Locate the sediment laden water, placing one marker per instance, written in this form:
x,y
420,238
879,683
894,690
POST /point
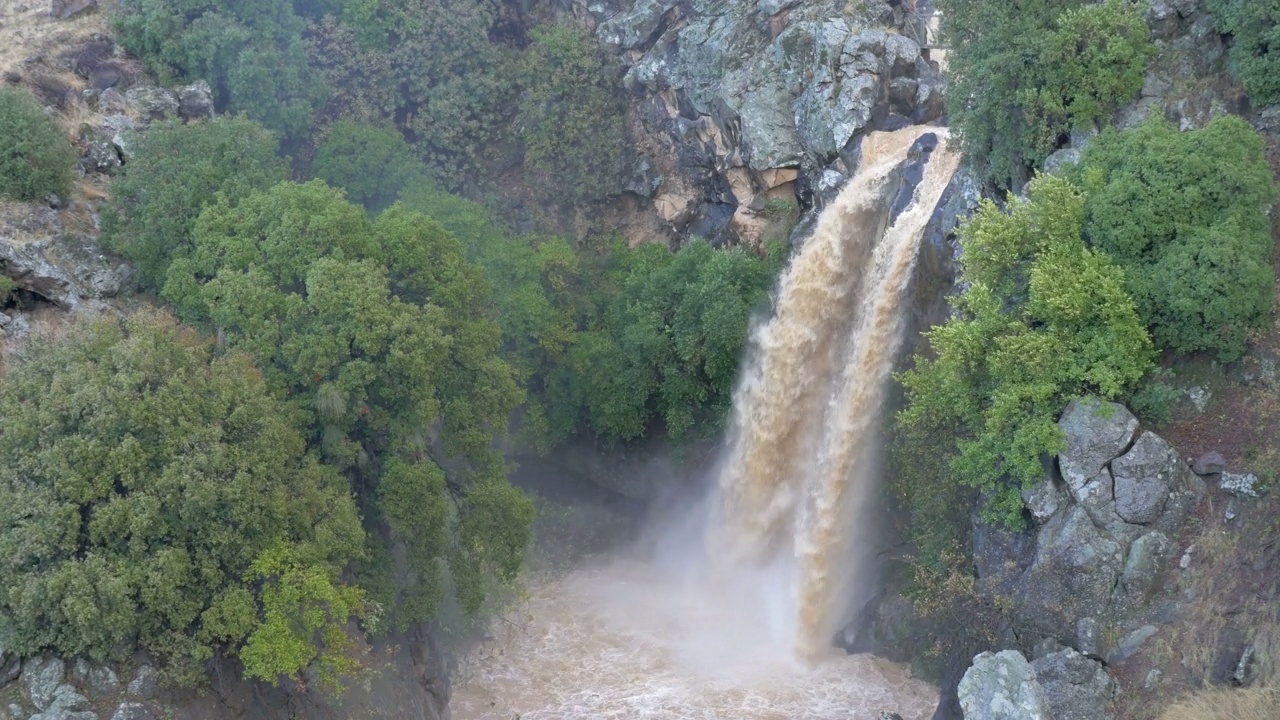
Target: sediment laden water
x,y
729,613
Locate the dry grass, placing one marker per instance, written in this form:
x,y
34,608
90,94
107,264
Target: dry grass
x,y
1227,704
33,32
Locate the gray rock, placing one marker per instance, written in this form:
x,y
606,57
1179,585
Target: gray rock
x,y
1075,687
1144,569
1142,479
1088,638
65,714
1043,500
1199,397
72,272
103,156
1002,686
1130,644
98,680
153,103
196,101
123,130
1096,433
111,102
1244,673
1153,679
1185,561
1072,576
1061,159
1240,485
1232,511
886,715
66,697
42,676
65,9
16,710
633,28
132,711
144,683
1209,463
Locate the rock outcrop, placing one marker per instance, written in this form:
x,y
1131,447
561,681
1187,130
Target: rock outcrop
x,y
1002,686
66,269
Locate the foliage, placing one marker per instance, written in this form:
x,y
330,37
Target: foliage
x,y
571,115
176,170
1185,214
384,331
1154,399
37,158
143,480
1042,319
7,286
1255,48
1024,75
430,65
373,164
251,52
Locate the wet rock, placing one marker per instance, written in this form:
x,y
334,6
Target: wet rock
x,y
1096,433
144,683
42,676
65,9
1245,486
1209,463
1075,687
1130,644
132,711
196,101
1142,479
153,103
1002,686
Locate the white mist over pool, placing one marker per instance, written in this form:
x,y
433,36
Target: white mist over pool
x,y
728,611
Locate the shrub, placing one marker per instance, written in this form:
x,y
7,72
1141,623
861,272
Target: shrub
x,y
144,482
37,158
1185,214
1042,319
373,164
571,116
1025,76
1154,400
177,169
384,333
1255,47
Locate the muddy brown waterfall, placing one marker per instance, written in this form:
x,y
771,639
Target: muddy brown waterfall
x,y
802,450
729,612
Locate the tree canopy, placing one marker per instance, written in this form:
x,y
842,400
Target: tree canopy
x,y
37,158
146,486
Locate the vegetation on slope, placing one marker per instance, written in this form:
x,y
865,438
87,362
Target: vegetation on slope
x,y
37,159
1254,26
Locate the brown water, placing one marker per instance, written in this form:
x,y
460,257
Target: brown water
x,y
729,613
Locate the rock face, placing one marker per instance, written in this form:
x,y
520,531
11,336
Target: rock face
x,y
69,271
1096,433
1002,686
1075,687
744,102
1142,479
1075,569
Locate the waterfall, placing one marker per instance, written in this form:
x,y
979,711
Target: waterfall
x,y
730,610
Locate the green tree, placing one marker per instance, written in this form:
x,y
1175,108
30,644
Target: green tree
x,y
1254,26
373,164
37,158
1186,216
1024,75
251,52
571,116
1042,319
384,331
144,481
176,170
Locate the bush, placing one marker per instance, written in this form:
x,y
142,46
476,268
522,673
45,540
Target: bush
x,y
177,169
373,164
1255,47
1042,319
37,158
1023,77
1154,400
144,483
384,333
571,116
1185,214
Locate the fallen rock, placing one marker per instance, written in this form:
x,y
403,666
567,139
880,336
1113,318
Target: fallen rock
x,y
153,103
66,697
195,101
1199,397
144,683
1240,485
1002,686
1075,687
1043,500
1209,463
1130,644
1096,433
42,676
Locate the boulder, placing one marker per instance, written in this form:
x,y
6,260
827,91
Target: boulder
x,y
1240,485
1043,500
1002,686
196,101
1075,568
43,675
98,680
1096,433
1130,644
65,714
144,684
66,697
1075,687
132,711
1209,463
1142,479
111,102
153,103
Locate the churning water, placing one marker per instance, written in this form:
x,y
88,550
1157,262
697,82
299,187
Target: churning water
x,y
729,611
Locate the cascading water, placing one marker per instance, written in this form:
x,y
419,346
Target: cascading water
x,y
731,613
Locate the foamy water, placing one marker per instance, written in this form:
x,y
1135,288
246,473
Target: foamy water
x,y
730,613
